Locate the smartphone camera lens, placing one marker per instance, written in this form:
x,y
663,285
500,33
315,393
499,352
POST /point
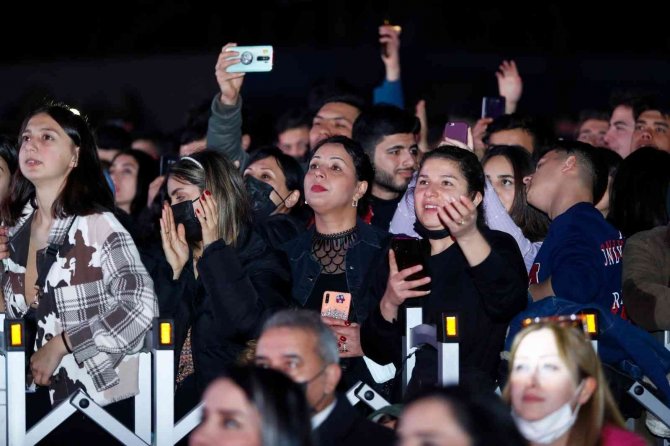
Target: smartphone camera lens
x,y
327,297
246,58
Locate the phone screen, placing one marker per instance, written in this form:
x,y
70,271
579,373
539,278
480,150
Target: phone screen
x,y
166,162
456,130
410,252
493,106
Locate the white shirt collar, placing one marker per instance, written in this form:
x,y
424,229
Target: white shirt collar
x,y
320,417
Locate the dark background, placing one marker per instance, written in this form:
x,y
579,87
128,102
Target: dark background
x,y
152,61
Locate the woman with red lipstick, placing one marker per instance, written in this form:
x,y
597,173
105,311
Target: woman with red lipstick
x,y
340,251
558,392
472,270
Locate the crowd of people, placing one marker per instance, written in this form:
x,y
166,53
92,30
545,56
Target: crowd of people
x,y
245,247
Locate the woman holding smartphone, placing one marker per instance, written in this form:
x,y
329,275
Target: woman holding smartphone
x,y
340,250
472,270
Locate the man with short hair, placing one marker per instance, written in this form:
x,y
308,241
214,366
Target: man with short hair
x,y
389,135
581,257
297,343
652,128
619,136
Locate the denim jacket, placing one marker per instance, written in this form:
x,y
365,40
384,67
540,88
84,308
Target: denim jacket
x,y
362,257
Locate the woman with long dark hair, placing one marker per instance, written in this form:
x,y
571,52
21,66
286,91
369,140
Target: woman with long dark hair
x,y
472,270
88,298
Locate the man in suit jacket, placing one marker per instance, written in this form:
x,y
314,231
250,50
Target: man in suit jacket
x,y
299,344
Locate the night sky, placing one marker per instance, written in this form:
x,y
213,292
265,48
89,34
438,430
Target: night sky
x,y
121,28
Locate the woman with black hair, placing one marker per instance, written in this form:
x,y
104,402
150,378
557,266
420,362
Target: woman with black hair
x,y
638,196
8,164
274,182
253,406
505,202
132,171
472,270
88,297
457,416
340,251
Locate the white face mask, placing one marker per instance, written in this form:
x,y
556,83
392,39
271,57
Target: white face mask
x,y
553,426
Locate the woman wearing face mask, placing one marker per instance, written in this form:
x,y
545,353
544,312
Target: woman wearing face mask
x,y
219,280
472,270
340,251
274,182
558,393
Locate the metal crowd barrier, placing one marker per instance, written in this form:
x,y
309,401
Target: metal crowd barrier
x,y
154,424
443,337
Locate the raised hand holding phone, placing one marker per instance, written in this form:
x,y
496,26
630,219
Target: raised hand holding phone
x,y
256,58
458,134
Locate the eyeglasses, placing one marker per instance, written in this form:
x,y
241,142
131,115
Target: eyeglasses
x,y
587,322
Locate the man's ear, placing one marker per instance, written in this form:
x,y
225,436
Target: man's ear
x,y
292,199
569,164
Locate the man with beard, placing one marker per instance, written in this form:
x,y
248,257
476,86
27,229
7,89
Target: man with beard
x,y
389,136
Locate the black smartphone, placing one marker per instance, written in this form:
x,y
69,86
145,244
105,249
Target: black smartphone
x,y
166,162
493,106
457,130
409,252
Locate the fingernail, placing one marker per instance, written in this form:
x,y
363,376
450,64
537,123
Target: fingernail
x,y
207,192
343,339
347,323
197,210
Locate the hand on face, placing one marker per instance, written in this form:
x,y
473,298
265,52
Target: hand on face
x,y
208,216
459,215
173,240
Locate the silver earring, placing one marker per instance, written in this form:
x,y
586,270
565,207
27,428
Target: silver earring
x,y
354,203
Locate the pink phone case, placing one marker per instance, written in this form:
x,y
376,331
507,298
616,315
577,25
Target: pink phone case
x,y
336,304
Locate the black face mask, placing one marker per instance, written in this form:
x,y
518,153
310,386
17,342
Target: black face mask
x,y
430,234
183,213
259,194
304,384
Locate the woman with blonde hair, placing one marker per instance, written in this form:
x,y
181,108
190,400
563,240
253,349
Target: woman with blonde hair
x,y
219,280
557,389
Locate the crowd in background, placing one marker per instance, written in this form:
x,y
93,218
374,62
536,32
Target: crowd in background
x,y
243,246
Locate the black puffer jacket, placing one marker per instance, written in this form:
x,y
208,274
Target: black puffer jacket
x,y
237,289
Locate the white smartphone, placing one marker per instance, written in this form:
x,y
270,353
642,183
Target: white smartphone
x,y
257,58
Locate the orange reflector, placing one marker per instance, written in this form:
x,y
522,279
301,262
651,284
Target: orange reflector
x,y
15,338
166,333
591,324
451,327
